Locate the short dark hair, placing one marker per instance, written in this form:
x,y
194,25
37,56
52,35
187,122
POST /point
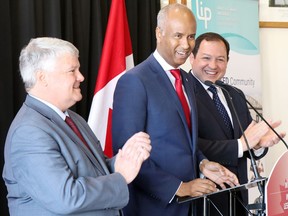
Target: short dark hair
x,y
210,36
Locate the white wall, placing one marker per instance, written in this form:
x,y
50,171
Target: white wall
x,y
274,63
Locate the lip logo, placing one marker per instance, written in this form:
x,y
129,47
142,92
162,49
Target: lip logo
x,y
203,13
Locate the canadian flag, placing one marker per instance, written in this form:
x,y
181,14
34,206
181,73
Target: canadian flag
x,y
116,59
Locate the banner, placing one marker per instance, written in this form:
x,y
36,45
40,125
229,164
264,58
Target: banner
x,y
276,195
237,21
116,58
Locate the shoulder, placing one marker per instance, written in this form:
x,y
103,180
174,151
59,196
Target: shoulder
x,y
143,72
147,65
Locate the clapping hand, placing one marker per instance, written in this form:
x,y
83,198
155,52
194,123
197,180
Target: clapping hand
x,y
130,158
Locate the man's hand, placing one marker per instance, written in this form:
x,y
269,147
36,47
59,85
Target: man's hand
x,y
130,158
254,133
196,187
218,174
260,135
270,138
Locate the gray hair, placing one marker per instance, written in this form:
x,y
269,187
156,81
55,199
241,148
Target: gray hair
x,y
39,55
163,13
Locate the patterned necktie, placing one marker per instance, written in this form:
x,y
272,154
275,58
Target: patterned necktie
x,y
180,93
221,109
73,126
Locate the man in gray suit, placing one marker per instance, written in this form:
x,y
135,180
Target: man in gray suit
x,y
49,168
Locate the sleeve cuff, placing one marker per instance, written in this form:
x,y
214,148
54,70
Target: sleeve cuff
x,y
240,149
258,152
175,192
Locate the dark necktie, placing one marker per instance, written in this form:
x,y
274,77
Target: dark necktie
x,y
221,109
73,126
180,93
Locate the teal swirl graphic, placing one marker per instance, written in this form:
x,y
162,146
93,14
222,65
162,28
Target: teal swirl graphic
x,y
241,44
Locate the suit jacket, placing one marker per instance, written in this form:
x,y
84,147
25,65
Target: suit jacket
x,y
145,100
214,141
49,171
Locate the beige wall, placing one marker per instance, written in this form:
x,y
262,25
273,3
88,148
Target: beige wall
x,y
274,63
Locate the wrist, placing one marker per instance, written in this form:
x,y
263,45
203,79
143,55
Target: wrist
x,y
202,164
182,190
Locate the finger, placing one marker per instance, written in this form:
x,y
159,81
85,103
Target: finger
x,y
145,145
138,137
232,178
208,187
228,178
203,189
133,147
139,161
276,124
142,142
222,185
142,135
230,182
282,134
204,183
276,139
144,153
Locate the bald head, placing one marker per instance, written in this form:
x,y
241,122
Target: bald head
x,y
174,9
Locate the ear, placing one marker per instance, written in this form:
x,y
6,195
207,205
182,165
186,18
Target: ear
x,y
158,33
42,78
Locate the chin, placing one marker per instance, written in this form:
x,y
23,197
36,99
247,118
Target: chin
x,y
212,79
78,98
181,61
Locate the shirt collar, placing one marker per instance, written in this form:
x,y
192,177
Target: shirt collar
x,y
162,62
56,109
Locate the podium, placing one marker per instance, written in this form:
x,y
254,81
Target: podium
x,y
277,188
257,207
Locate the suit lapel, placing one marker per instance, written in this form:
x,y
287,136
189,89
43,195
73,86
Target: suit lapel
x,y
47,112
204,98
94,158
94,145
166,88
188,85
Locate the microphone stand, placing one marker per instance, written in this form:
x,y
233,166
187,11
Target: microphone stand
x,y
252,159
220,83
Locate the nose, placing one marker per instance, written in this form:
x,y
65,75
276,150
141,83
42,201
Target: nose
x,y
185,43
213,64
80,76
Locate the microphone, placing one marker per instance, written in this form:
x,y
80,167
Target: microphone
x,y
252,159
220,83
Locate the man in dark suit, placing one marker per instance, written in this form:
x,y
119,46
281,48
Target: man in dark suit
x,y
145,100
53,168
209,62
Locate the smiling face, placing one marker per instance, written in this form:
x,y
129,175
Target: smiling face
x,y
60,85
211,61
64,81
176,37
